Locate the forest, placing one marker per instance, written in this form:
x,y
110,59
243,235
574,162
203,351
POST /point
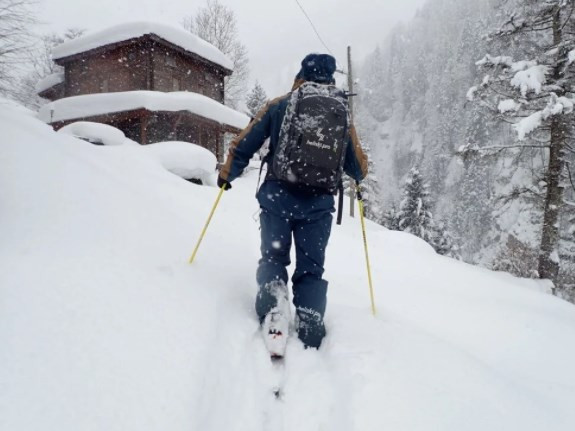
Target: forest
x,y
477,97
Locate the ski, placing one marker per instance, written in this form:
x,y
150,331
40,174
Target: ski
x,y
275,331
278,368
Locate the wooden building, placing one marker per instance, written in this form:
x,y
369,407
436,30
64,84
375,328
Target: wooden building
x,y
145,59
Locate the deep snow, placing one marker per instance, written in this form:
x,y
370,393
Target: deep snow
x,y
105,326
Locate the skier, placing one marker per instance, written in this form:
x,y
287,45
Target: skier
x,y
311,142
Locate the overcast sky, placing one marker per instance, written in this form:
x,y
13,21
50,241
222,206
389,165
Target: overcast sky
x,y
275,32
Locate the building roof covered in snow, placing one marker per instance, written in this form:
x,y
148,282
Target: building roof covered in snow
x,y
173,36
49,81
91,105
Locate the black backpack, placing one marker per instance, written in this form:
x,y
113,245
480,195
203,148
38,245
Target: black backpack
x,y
313,138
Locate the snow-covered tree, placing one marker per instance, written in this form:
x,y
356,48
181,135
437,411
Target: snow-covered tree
x,y
40,64
370,188
443,242
16,19
414,214
517,258
534,92
256,99
389,218
566,277
412,104
216,23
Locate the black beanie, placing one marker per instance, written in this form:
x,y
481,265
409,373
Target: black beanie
x,y
317,68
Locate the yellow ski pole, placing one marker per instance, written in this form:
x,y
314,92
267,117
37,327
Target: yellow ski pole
x,y
362,218
222,189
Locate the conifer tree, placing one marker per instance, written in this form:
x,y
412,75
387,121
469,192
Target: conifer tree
x,y
414,214
370,188
389,218
256,99
535,93
443,241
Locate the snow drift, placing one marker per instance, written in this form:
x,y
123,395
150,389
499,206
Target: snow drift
x,y
104,325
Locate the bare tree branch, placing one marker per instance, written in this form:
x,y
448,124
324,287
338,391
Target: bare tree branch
x,y
16,19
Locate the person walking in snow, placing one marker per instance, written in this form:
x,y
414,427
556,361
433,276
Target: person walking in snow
x,y
312,141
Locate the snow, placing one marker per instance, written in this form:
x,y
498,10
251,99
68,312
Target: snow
x,y
49,81
571,56
104,324
521,65
471,93
495,61
15,106
89,105
122,32
508,105
556,106
530,79
528,124
529,75
185,159
96,133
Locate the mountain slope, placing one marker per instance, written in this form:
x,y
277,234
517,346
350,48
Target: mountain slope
x,y
104,325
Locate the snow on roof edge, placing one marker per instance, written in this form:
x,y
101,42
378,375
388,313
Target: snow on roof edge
x,y
89,105
122,32
49,81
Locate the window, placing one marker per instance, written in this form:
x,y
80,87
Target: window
x,y
171,61
176,84
222,94
105,85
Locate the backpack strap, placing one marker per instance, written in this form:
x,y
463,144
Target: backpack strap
x,y
339,202
265,160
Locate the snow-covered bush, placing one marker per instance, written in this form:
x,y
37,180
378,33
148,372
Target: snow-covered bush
x,y
96,133
187,160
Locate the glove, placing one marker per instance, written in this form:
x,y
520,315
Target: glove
x,y
223,183
358,191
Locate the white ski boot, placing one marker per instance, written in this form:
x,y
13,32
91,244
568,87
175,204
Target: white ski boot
x,y
275,327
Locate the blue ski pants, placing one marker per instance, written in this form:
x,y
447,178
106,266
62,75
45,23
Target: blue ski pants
x,y
287,217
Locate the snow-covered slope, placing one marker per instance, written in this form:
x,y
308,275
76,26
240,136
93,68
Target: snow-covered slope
x,y
105,326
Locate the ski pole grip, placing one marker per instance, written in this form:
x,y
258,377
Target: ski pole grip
x,y
358,192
